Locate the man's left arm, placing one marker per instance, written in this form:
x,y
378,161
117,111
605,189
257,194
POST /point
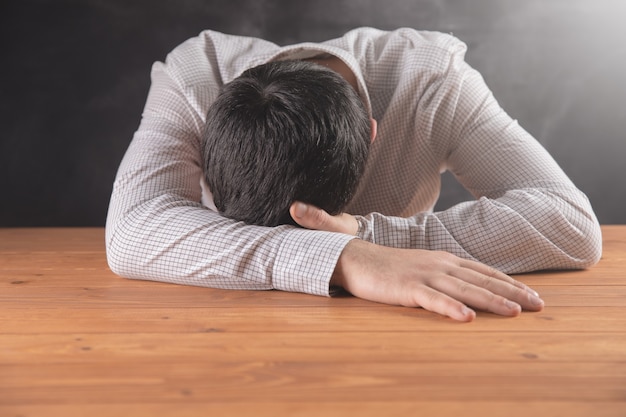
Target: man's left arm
x,y
528,215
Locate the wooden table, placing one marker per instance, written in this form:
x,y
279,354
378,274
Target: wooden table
x,y
77,340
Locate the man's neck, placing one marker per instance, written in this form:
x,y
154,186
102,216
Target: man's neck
x,y
338,66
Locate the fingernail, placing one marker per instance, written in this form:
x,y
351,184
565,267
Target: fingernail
x,y
511,305
467,312
533,292
300,210
536,300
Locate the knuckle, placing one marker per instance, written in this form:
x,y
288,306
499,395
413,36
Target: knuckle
x,y
520,294
318,218
315,217
485,281
443,255
464,288
431,301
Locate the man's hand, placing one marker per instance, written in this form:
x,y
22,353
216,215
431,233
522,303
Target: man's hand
x,y
311,217
436,281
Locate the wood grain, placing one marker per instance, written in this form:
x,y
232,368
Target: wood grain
x,y
77,340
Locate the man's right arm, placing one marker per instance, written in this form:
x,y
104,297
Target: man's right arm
x,y
434,280
158,230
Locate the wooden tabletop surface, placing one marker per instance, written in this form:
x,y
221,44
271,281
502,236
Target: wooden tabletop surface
x,y
77,340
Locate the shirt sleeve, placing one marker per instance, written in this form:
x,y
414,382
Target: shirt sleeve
x,y
527,215
157,229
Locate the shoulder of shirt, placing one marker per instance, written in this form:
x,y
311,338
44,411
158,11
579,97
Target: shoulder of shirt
x,y
217,57
213,56
412,38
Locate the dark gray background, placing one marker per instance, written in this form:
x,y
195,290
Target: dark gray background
x,y
75,74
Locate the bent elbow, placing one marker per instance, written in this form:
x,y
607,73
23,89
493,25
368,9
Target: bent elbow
x,y
116,260
119,259
584,245
591,249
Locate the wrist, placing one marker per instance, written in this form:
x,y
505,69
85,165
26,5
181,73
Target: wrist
x,y
351,258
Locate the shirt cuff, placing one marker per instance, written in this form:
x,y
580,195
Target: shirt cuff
x,y
306,260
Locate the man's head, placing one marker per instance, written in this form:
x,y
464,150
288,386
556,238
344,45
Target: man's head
x,y
282,132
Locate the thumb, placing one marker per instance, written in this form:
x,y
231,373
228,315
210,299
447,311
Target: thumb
x,y
314,218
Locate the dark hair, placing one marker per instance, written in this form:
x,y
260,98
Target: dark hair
x,y
284,131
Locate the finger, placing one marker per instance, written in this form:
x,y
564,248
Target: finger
x,y
311,217
501,284
492,272
477,297
437,302
486,293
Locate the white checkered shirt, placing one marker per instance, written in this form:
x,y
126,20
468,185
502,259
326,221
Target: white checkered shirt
x,y
434,113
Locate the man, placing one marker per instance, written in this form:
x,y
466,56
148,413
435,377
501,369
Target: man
x,y
434,113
